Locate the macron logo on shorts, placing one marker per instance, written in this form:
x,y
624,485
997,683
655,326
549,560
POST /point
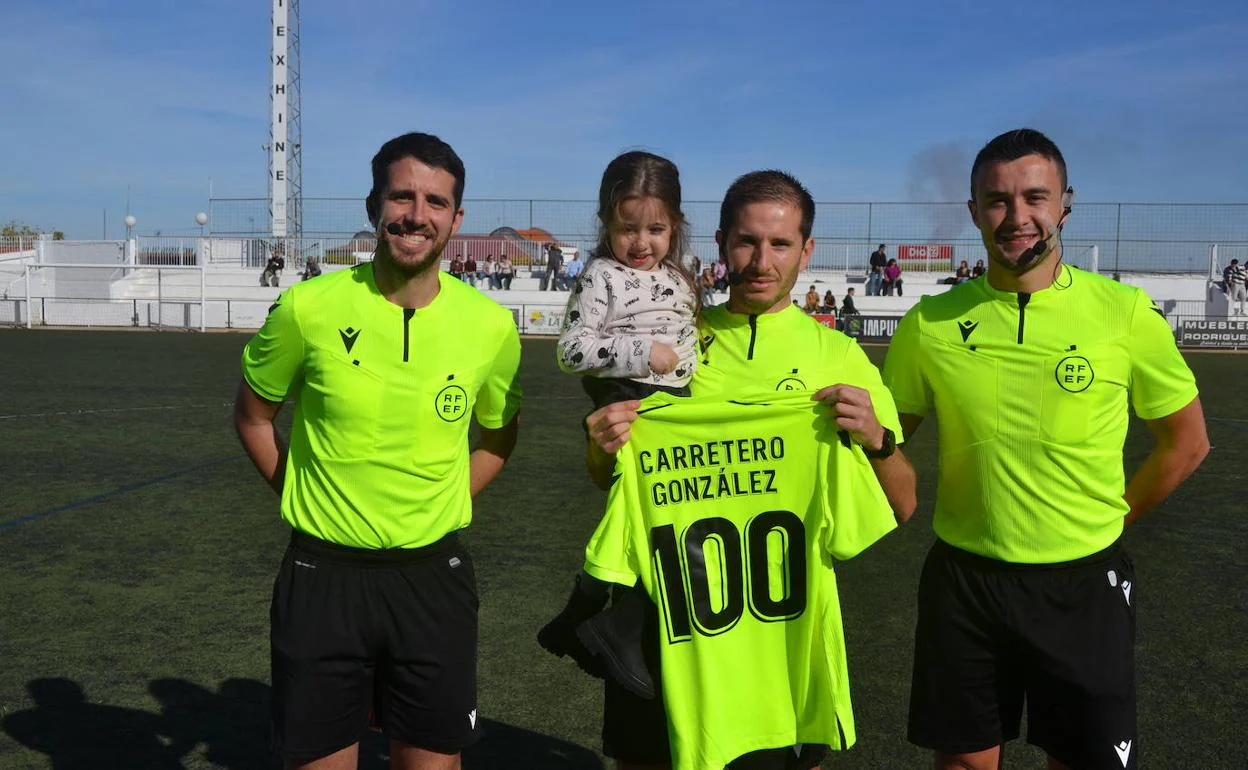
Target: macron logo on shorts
x,y
472,721
1126,585
1124,752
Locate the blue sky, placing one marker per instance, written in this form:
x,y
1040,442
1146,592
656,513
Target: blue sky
x,y
863,101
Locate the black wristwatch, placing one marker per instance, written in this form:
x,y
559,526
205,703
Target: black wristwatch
x,y
886,449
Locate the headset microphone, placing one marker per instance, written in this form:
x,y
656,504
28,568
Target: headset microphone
x,y
394,228
1035,253
1042,246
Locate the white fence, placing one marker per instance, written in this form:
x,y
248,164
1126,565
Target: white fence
x,y
102,295
201,283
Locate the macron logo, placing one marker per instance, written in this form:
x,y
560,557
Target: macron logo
x,y
966,327
349,337
1124,752
472,719
1126,585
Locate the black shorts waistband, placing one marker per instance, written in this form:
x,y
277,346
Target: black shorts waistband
x,y
372,557
975,561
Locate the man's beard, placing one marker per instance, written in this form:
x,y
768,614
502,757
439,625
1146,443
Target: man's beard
x,y
410,269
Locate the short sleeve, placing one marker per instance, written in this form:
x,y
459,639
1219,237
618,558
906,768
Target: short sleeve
x,y
1161,382
500,395
863,374
273,358
610,554
903,373
856,509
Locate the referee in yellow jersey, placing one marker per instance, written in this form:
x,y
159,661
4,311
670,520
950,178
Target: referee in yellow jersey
x,y
1027,594
375,605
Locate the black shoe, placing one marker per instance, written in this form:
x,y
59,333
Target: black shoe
x,y
614,636
559,638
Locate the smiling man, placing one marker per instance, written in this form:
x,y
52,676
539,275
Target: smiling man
x,y
1027,593
755,345
375,607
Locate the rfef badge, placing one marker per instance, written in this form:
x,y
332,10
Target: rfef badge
x,y
1074,374
451,403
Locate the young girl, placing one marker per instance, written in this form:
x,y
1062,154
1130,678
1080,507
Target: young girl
x,y
629,324
629,330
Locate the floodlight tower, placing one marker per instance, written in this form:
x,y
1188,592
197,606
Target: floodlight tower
x,y
285,147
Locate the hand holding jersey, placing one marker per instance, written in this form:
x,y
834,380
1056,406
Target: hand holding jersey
x,y
752,518
854,413
758,343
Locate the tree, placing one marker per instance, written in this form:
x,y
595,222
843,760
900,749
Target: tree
x,y
15,229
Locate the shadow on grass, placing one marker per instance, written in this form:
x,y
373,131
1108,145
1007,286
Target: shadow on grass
x,y
232,725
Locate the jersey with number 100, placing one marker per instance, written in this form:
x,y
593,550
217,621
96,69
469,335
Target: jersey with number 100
x,y
730,513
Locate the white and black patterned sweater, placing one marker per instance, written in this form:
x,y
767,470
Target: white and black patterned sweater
x,y
616,313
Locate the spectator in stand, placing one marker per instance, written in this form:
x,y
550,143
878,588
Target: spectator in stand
x,y
310,269
1234,278
978,270
554,266
706,284
488,272
570,271
847,306
483,276
470,271
892,278
691,264
505,272
848,311
720,271
273,269
457,267
963,273
875,274
812,301
829,303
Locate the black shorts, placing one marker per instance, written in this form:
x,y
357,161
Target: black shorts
x,y
1060,636
387,633
634,729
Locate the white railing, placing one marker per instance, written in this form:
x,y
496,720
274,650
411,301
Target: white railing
x,y
85,294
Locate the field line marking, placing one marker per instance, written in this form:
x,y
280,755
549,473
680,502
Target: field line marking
x,y
114,410
114,492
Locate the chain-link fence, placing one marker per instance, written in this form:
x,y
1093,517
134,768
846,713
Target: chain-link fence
x,y
1129,237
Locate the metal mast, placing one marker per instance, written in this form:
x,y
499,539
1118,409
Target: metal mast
x,y
294,129
285,148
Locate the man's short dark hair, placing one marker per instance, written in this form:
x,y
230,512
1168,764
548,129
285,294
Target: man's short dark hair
x,y
1016,144
766,187
427,149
